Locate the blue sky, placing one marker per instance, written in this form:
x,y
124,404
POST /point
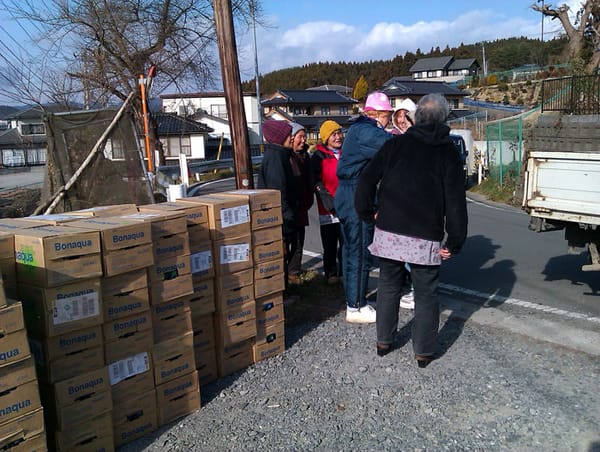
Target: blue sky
x,y
305,31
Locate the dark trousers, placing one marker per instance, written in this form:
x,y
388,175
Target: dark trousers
x,y
296,248
424,332
331,240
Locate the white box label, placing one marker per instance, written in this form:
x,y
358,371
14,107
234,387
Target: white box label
x,y
235,215
235,253
75,307
128,367
201,261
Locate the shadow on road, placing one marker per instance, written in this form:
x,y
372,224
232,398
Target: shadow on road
x,y
480,250
568,267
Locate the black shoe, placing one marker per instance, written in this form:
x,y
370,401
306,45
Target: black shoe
x,y
383,349
423,361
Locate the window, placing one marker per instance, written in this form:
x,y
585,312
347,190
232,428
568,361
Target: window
x,y
33,129
219,110
173,146
325,111
297,111
115,149
343,110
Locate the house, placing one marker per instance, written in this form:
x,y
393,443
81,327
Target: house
x,y
400,88
210,108
23,136
444,68
309,108
181,135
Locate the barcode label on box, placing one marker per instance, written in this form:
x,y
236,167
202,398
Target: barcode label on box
x,y
235,253
128,367
201,261
77,306
235,215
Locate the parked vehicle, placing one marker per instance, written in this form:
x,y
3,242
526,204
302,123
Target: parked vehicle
x,y
561,181
459,142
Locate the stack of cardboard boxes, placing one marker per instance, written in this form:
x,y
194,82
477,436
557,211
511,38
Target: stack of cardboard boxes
x,y
21,413
58,280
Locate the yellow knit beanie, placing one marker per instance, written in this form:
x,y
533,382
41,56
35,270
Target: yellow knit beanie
x,y
327,128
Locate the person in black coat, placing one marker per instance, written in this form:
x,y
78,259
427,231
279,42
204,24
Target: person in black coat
x,y
420,199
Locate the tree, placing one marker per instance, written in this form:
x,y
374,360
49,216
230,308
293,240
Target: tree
x,y
583,33
361,87
102,46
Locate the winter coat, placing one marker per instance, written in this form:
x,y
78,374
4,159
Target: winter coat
x,y
300,163
324,165
276,173
421,187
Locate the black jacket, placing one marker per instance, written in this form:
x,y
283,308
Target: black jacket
x,y
421,187
276,173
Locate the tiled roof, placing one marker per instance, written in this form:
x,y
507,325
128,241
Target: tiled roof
x,y
464,63
172,124
400,86
431,64
314,122
339,88
303,97
7,111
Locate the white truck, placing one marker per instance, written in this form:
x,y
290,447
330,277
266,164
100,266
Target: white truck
x,y
561,181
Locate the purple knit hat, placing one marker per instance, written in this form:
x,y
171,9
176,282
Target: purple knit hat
x,y
276,132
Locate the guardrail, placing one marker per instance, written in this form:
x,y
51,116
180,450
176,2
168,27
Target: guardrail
x,y
578,94
172,172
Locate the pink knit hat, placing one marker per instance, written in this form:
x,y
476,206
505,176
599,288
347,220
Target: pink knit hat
x,y
377,101
276,132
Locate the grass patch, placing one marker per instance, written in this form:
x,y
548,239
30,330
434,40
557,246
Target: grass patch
x,y
493,191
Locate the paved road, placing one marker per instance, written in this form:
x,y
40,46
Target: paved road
x,y
32,178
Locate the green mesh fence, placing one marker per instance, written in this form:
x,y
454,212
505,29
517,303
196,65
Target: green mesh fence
x,y
505,147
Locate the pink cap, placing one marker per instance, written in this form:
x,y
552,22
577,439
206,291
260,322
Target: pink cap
x,y
378,101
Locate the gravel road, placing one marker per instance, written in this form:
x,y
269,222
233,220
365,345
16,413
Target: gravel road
x,y
491,389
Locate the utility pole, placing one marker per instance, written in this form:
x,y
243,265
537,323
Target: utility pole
x,y
230,72
542,35
256,72
484,62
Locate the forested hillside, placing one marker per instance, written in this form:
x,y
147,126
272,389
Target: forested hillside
x,y
501,55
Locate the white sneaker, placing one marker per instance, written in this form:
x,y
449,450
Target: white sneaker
x,y
366,314
408,300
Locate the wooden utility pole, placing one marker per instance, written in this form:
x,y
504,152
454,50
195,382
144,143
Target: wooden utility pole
x,y
234,101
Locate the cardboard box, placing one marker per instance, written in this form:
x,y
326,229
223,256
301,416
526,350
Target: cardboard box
x,y
269,285
131,376
206,365
265,206
171,319
133,408
232,255
234,357
126,326
267,251
194,214
202,265
68,366
16,374
171,246
162,223
204,333
199,236
84,409
268,350
35,443
125,294
83,386
170,279
202,301
13,337
174,389
267,269
237,313
8,271
57,347
225,282
21,430
106,211
227,335
177,407
59,310
269,332
267,235
267,218
127,260
117,233
56,219
267,314
228,216
136,426
128,345
18,401
232,300
173,358
95,435
13,225
48,256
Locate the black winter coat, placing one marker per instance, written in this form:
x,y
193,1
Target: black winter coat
x,y
421,187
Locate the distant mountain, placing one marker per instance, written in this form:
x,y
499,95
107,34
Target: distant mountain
x,y
501,55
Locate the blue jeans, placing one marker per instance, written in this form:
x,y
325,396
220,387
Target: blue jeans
x,y
356,236
424,331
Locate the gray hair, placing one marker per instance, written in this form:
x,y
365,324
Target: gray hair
x,y
432,109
